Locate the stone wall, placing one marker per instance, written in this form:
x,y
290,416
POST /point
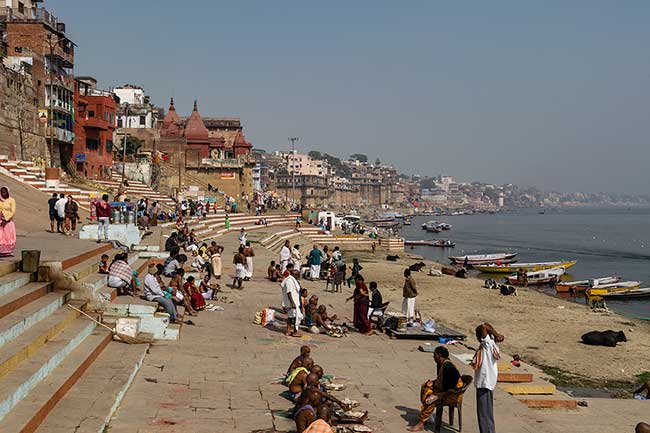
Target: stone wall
x,y
19,117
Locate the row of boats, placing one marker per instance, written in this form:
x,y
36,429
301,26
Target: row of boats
x,y
539,273
442,243
435,226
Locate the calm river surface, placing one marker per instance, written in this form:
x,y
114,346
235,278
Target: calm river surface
x,y
604,241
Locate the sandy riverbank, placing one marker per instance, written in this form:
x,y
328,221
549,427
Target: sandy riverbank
x,y
543,330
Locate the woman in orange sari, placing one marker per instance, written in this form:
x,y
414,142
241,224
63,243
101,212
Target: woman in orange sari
x,y
7,226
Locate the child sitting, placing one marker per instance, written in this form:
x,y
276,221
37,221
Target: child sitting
x,y
102,267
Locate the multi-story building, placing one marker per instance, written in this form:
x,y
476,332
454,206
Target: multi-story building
x,y
205,157
304,165
33,33
308,190
95,122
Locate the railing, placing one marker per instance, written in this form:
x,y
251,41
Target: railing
x,y
60,134
31,14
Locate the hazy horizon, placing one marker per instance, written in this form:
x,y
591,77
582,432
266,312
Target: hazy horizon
x,y
550,94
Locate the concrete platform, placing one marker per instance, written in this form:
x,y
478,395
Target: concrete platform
x,y
127,234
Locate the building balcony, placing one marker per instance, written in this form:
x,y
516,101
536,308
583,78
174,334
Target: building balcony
x,y
59,134
95,122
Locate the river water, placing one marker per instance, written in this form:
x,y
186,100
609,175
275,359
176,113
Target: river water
x,y
603,241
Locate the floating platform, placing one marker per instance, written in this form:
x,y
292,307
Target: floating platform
x,y
416,333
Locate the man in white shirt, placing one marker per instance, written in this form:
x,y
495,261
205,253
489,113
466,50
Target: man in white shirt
x,y
59,206
285,256
485,375
291,298
153,293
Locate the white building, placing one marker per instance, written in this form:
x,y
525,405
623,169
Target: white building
x,y
304,165
135,110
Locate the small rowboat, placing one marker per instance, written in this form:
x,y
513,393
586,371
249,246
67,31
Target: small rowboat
x,y
548,276
628,294
614,287
582,285
478,259
444,243
493,268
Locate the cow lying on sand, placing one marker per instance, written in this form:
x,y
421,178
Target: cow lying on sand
x,y
607,338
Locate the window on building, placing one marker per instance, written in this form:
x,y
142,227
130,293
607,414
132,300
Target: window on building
x,y
106,115
91,113
119,122
92,144
21,7
109,145
143,120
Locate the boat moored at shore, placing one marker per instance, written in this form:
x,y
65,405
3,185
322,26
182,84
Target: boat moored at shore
x,y
582,285
493,268
478,259
547,276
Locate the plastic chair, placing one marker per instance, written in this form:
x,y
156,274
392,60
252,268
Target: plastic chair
x,y
454,401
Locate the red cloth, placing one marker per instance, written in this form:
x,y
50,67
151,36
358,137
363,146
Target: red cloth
x,y
198,303
103,209
7,238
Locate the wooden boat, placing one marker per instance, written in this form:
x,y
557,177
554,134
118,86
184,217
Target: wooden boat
x,y
614,287
444,243
547,276
493,268
582,285
628,294
478,259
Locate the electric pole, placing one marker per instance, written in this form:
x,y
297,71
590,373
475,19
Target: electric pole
x,y
51,105
126,125
293,171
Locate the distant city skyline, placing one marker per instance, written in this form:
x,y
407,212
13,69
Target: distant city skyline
x,y
552,95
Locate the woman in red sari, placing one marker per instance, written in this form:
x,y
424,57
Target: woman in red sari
x,y
196,298
361,303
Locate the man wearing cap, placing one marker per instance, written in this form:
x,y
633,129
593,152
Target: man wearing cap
x,y
154,293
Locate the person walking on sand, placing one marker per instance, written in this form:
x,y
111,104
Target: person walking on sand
x,y
485,375
409,292
249,254
7,226
103,212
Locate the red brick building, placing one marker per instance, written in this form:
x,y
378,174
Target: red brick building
x,y
220,139
93,127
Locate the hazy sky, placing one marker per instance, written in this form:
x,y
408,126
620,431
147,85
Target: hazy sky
x,y
554,94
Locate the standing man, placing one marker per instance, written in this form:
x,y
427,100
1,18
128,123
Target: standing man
x,y
51,203
285,255
249,254
242,237
291,298
59,206
103,212
409,292
485,375
315,258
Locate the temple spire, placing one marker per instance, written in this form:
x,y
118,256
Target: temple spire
x,y
195,106
171,101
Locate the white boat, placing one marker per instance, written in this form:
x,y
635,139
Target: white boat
x,y
477,259
582,285
618,285
548,276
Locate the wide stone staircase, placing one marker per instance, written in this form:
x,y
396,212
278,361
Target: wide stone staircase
x,y
137,190
59,371
31,174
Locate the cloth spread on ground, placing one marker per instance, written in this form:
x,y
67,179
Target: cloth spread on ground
x,y
292,376
319,426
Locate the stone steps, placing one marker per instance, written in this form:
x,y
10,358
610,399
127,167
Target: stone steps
x,y
32,371
85,410
49,376
45,347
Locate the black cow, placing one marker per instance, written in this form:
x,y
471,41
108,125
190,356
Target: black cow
x,y
391,258
607,338
417,267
